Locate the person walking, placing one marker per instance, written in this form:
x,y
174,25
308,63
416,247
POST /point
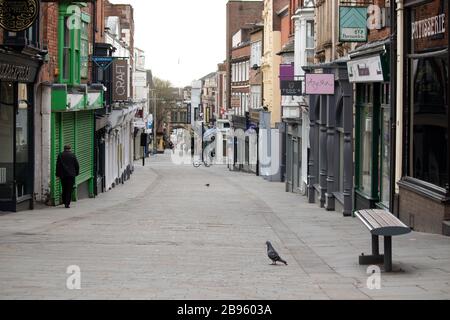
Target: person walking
x,y
67,169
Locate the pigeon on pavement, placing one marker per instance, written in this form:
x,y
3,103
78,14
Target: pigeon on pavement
x,y
273,255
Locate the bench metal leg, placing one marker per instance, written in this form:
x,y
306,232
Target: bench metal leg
x,y
375,246
387,254
375,258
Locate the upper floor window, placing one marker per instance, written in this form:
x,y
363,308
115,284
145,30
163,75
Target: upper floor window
x,y
73,44
256,53
309,42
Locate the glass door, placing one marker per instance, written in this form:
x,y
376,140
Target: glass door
x,y
23,163
6,141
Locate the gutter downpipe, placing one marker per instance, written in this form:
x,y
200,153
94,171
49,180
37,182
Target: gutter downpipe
x,y
399,95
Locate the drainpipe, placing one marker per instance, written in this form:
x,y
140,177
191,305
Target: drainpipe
x,y
333,30
399,97
393,103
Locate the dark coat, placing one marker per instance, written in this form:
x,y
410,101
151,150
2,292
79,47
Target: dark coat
x,y
67,165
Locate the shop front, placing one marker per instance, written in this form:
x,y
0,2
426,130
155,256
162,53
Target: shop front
x,y
73,123
330,161
424,188
369,70
17,78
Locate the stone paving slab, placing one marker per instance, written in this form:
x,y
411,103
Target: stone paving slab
x,y
165,235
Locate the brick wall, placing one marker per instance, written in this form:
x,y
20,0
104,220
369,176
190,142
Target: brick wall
x,y
421,213
383,32
238,14
285,30
49,38
278,5
126,14
241,52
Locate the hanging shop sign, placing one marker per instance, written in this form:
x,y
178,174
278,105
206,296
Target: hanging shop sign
x,y
319,83
120,80
286,72
291,88
18,15
352,24
365,70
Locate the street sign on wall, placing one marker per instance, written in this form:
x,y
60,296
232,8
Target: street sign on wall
x,y
352,24
120,80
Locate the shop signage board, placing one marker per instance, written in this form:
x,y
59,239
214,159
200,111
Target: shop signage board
x,y
17,69
18,15
319,83
286,72
428,27
365,70
120,80
291,88
352,24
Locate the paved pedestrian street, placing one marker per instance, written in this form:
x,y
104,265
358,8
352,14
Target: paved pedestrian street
x,y
166,235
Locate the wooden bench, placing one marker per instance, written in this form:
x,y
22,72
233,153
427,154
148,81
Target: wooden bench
x,y
381,223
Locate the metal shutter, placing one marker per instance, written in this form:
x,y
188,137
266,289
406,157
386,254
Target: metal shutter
x,y
84,144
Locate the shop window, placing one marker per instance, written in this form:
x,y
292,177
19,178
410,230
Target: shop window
x,y
7,127
84,50
373,133
365,138
385,146
429,120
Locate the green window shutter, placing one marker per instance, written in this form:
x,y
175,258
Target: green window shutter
x,y
84,146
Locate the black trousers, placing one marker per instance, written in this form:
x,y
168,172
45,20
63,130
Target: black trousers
x,y
67,189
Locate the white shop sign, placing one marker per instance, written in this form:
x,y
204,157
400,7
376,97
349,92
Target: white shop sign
x,y
365,70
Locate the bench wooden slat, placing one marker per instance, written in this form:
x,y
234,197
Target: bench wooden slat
x,y
374,223
382,223
382,220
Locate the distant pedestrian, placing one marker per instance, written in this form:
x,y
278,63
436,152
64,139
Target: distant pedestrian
x,y
67,169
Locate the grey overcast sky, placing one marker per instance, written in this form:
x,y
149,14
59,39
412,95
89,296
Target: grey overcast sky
x,y
183,39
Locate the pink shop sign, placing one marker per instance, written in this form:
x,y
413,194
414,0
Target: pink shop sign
x,y
319,83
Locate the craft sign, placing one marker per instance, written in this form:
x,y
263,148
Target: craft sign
x,y
18,15
120,80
